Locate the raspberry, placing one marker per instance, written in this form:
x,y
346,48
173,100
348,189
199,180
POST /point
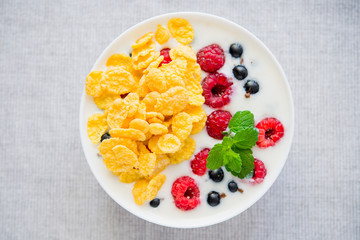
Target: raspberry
x,y
259,172
211,58
185,193
217,122
198,164
216,90
165,52
270,131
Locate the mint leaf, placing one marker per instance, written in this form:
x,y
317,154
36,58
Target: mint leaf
x,y
247,163
215,158
227,142
247,167
245,138
241,120
232,160
231,171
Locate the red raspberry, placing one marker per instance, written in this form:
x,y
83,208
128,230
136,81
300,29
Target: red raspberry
x,y
165,52
217,122
216,90
211,58
185,193
259,172
270,131
198,164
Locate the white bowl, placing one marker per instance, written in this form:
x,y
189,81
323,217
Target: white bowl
x,y
276,98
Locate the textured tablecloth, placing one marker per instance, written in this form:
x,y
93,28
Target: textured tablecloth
x,y
47,190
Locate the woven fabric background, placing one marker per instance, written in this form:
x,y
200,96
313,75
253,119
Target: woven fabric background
x,y
47,190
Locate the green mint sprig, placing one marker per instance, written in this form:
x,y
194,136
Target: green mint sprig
x,y
234,152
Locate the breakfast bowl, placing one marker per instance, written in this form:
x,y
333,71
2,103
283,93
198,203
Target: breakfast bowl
x,y
256,86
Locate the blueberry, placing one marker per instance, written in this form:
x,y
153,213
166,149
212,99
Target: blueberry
x,y
105,136
240,72
130,54
213,198
236,50
216,175
233,187
251,86
155,202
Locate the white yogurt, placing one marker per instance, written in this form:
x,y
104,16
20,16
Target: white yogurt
x,y
272,100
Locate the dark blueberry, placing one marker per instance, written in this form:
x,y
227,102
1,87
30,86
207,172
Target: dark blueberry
x,y
233,187
240,72
155,202
236,50
105,136
213,198
251,86
216,175
130,54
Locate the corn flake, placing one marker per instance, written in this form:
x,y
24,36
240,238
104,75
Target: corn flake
x,y
143,89
114,165
144,61
111,162
125,156
196,99
182,125
119,60
143,40
154,186
126,122
105,100
148,135
132,101
198,126
195,70
172,101
156,81
130,133
141,114
162,161
140,124
155,114
109,144
181,30
139,191
154,120
158,129
142,149
153,145
147,49
175,72
96,127
183,51
169,143
185,152
118,81
117,113
147,163
197,113
150,101
168,122
161,35
93,85
130,176
154,64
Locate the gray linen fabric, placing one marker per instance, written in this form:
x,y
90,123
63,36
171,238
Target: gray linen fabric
x,y
46,188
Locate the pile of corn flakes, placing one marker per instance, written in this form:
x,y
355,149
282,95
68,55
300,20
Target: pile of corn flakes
x,y
149,111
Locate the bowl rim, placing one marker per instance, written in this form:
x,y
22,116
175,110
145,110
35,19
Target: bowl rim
x,y
210,221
